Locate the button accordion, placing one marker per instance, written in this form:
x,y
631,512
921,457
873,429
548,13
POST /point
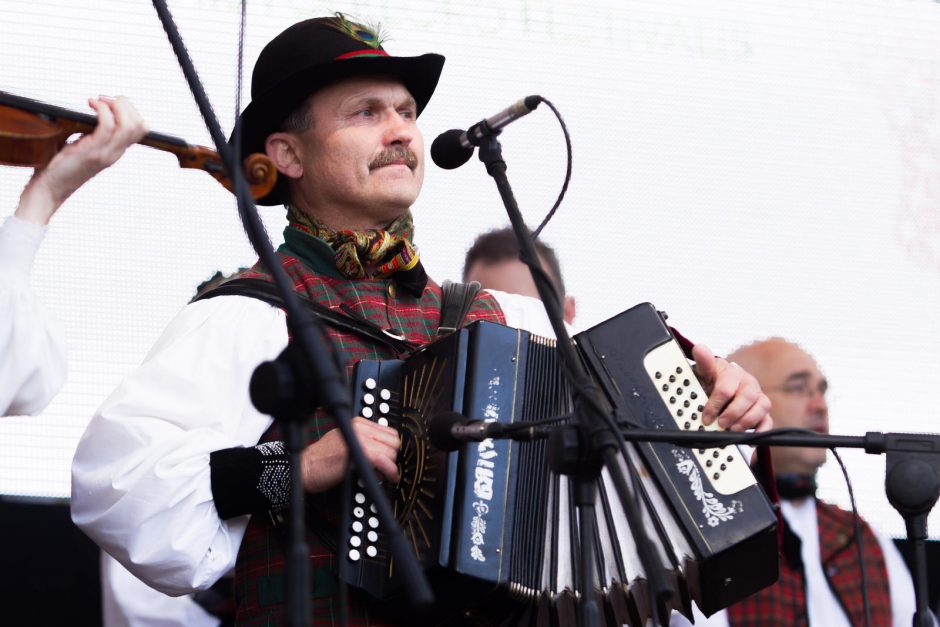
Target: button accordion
x,y
492,517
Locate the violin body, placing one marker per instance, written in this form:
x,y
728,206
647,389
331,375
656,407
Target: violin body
x,y
32,132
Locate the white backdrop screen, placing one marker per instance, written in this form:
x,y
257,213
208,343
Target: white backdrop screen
x,y
754,169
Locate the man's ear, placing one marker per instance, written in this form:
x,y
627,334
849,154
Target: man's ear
x,y
284,149
569,309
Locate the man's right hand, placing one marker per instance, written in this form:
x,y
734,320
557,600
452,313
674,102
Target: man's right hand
x,y
325,462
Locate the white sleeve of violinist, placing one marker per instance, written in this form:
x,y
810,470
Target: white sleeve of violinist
x,y
32,341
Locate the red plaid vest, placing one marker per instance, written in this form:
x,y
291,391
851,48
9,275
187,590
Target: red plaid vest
x,y
784,603
259,571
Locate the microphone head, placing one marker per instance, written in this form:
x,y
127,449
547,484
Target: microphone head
x,y
439,430
447,151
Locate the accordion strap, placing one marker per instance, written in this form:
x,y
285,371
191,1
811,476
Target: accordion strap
x,y
267,292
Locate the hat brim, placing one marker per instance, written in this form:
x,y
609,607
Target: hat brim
x,y
265,114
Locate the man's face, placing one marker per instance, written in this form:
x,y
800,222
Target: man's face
x,y
362,156
797,389
510,275
514,277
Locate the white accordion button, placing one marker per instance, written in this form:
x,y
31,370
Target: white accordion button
x,y
367,412
368,399
385,394
372,536
371,551
358,512
360,498
354,555
355,541
383,421
373,522
369,383
357,527
383,408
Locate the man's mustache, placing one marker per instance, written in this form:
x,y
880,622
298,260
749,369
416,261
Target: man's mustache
x,y
393,155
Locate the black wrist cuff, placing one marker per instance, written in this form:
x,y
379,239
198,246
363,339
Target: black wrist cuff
x,y
250,480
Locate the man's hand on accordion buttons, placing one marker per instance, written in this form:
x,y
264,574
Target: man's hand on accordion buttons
x,y
326,461
734,395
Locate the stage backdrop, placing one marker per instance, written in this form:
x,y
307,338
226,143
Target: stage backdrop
x,y
753,169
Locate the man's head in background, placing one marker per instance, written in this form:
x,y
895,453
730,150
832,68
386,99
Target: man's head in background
x,y
493,261
797,390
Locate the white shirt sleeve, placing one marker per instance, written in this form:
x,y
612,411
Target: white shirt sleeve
x,y
140,476
900,584
126,601
525,312
32,343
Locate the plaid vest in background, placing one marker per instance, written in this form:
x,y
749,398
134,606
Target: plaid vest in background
x,y
259,572
784,603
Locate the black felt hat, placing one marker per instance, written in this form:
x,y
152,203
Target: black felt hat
x,y
312,54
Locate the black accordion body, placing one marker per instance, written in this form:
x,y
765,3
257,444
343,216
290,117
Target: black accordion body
x,y
492,518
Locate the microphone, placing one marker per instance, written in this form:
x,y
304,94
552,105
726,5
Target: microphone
x,y
449,430
454,148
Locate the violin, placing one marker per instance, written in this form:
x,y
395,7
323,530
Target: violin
x,y
32,132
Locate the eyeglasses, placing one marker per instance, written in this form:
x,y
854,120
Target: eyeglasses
x,y
801,387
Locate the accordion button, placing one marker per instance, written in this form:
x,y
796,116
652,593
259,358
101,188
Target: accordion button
x,y
367,412
722,467
373,522
373,536
373,509
383,408
355,541
730,458
672,378
383,421
357,526
658,375
708,463
693,395
679,412
678,369
360,498
371,551
368,399
354,555
385,394
358,512
369,383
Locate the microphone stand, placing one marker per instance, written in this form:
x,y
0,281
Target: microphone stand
x,y
297,381
912,477
582,448
912,473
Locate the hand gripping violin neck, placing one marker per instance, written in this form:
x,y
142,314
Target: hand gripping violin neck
x,y
32,132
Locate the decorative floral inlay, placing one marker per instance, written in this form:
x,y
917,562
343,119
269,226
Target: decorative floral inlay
x,y
714,510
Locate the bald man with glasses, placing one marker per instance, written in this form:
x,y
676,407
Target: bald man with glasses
x,y
820,582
